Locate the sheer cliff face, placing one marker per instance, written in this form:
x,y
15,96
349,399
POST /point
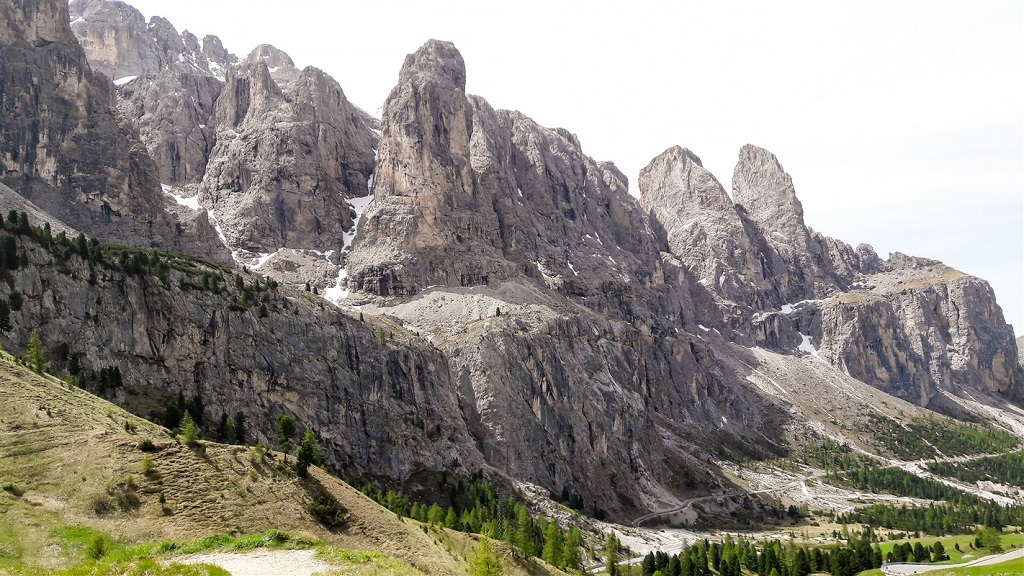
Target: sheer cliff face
x,y
272,150
286,159
467,195
61,145
584,382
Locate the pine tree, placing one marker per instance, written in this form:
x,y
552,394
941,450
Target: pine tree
x,y
307,455
451,519
553,542
486,562
189,434
34,353
611,550
285,433
572,558
524,532
435,515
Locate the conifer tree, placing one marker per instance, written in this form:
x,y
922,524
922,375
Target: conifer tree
x,y
486,562
307,455
285,433
34,353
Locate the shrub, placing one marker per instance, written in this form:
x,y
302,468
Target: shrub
x,y
146,445
102,504
96,548
13,490
147,465
328,511
257,452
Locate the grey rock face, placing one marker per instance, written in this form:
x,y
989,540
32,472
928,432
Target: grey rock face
x,y
599,376
282,68
467,195
61,145
286,160
922,326
698,223
584,380
272,151
380,408
119,43
173,110
908,326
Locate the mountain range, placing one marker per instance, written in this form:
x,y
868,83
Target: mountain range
x,y
452,288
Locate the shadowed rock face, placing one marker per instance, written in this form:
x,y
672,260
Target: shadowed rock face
x,y
61,145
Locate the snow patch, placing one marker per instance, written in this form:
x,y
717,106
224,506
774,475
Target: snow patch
x,y
335,294
573,268
790,308
704,328
124,80
191,202
519,191
359,205
77,20
807,346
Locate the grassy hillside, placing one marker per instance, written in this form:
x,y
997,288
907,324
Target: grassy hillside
x,y
72,469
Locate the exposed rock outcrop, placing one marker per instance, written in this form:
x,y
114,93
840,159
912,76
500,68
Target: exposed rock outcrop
x,y
571,334
908,326
120,44
272,151
61,145
382,404
286,160
467,195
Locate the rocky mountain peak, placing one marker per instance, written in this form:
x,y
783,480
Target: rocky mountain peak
x,y
677,177
271,55
436,59
278,62
766,193
216,53
38,23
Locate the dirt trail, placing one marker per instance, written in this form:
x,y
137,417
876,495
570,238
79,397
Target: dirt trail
x,y
262,562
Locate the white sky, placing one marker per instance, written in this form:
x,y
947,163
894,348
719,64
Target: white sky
x,y
902,123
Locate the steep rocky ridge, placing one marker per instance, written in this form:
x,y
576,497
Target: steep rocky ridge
x,y
382,404
909,326
121,44
529,264
466,195
61,145
286,160
271,150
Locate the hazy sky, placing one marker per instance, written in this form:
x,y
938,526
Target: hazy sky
x,y
902,123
